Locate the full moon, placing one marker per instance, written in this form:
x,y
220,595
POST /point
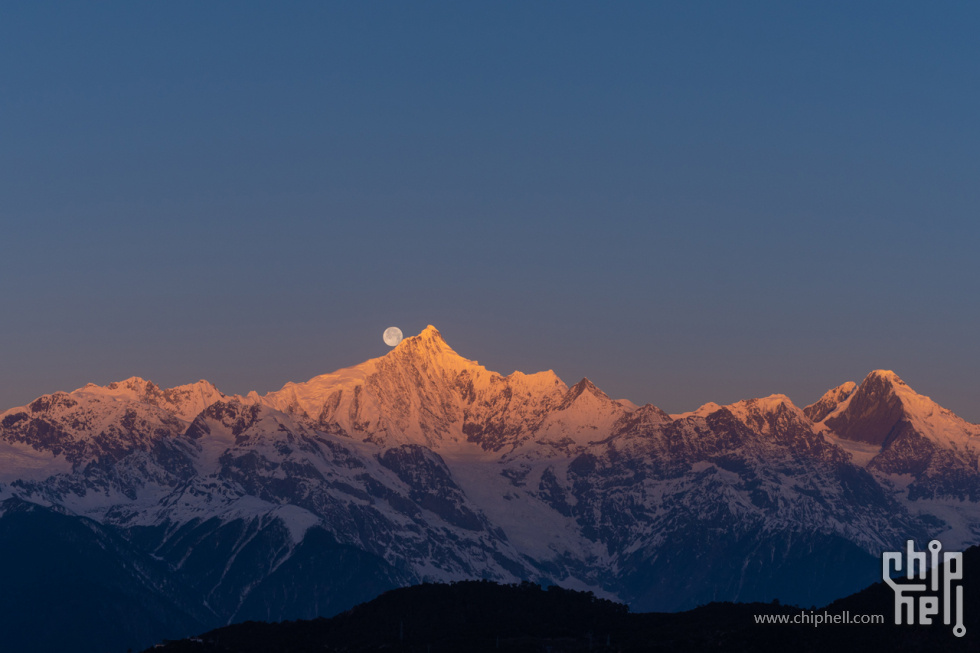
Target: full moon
x,y
392,336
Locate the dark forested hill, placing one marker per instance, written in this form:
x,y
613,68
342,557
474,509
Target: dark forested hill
x,y
485,616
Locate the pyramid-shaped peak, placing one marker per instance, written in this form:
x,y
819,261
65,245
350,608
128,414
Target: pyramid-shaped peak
x,y
881,383
871,412
586,384
586,387
430,338
429,347
431,335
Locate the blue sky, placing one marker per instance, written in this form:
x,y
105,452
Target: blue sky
x,y
685,202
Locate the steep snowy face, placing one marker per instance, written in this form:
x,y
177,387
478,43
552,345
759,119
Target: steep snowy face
x,y
872,411
187,401
423,392
875,411
767,415
583,415
829,402
925,451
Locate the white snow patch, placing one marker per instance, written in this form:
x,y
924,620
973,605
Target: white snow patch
x,y
534,528
22,461
861,452
297,520
702,411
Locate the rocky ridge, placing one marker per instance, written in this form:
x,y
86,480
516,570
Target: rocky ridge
x,y
424,465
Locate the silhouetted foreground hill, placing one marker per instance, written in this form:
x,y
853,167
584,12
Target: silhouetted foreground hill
x,y
484,616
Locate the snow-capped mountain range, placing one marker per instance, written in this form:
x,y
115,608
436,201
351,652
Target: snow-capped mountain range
x,y
423,465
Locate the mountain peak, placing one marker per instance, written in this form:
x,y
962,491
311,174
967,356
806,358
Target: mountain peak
x,y
885,383
884,376
429,344
762,407
872,410
429,336
585,386
884,401
136,384
830,401
185,401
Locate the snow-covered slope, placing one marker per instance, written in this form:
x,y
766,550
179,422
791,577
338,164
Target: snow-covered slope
x,y
829,402
926,455
422,464
423,392
883,400
916,435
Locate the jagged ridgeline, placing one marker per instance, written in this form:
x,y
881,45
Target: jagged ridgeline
x,y
195,509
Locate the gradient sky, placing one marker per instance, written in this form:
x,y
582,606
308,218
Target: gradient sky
x,y
685,202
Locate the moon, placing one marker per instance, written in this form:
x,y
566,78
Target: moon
x,y
392,336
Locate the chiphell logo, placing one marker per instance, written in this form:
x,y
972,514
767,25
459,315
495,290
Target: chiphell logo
x,y
928,591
